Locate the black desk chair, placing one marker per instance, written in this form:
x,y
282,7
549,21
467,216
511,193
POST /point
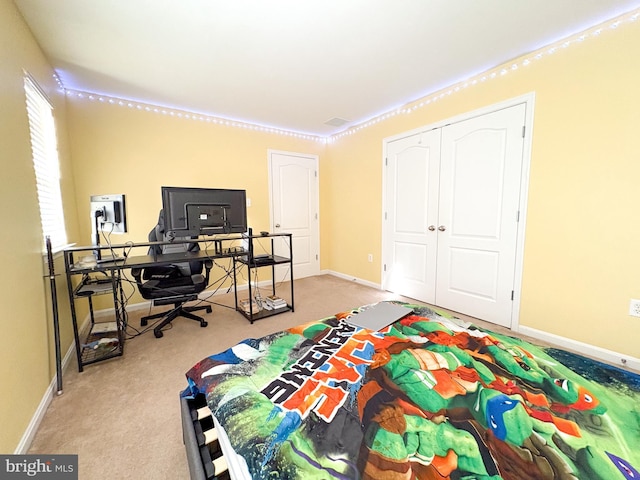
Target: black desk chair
x,y
174,284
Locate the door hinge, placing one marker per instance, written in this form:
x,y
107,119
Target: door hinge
x,y
384,267
517,216
316,256
316,216
385,215
315,172
386,162
512,294
524,129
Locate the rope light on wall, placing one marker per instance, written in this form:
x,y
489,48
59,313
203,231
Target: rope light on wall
x,y
58,81
408,108
184,114
497,72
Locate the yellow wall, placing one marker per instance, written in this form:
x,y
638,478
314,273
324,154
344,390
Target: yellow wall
x,y
581,263
580,259
27,362
117,149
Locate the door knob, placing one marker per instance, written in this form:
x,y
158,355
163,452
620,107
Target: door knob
x,y
432,228
277,225
442,228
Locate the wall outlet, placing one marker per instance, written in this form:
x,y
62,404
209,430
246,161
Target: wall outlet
x,y
634,308
370,259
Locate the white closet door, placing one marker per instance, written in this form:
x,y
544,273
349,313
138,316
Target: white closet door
x,y
411,207
480,169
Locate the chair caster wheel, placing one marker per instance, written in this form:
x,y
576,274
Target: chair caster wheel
x,y
158,333
203,324
143,323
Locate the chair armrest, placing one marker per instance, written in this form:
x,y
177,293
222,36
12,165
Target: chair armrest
x,y
208,265
137,274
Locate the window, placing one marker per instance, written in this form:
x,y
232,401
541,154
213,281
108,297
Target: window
x,y
44,147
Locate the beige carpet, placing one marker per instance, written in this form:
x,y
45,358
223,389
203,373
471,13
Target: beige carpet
x,y
122,416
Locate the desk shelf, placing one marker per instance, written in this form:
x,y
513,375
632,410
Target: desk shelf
x,y
90,355
253,316
104,340
96,279
264,262
272,260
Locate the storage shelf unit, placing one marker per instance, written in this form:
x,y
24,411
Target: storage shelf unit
x,y
103,340
253,262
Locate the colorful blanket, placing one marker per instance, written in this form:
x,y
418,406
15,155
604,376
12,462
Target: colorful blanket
x,y
425,398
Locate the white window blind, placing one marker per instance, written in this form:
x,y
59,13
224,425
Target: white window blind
x,y
44,147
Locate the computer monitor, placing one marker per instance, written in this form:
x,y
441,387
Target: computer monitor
x,y
189,211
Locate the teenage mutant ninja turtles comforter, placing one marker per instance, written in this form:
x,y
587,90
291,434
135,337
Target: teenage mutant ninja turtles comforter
x,y
424,398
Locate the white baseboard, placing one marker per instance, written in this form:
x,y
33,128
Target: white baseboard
x,y
360,281
34,424
608,356
621,360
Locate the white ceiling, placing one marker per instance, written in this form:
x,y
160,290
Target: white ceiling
x,y
294,64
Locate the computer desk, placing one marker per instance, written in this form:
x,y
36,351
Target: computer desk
x,y
98,344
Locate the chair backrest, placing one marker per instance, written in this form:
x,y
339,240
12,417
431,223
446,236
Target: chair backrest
x,y
157,234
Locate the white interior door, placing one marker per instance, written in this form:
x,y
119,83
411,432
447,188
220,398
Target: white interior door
x,y
412,165
294,208
480,169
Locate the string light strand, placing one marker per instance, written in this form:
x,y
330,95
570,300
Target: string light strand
x,y
410,107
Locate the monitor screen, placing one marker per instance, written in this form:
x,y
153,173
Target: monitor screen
x,y
189,211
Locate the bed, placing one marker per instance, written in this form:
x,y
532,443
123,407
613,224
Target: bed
x,y
426,397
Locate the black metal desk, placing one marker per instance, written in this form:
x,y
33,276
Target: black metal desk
x,y
96,348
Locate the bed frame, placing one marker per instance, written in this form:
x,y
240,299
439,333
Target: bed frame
x,y
200,438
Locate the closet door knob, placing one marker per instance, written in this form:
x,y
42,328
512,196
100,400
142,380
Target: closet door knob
x,y
277,225
442,228
432,228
